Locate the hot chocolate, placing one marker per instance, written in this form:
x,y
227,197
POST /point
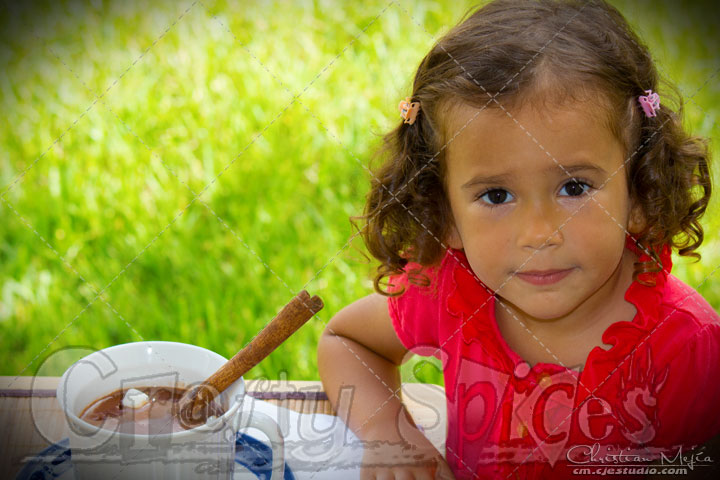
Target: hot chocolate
x,y
157,415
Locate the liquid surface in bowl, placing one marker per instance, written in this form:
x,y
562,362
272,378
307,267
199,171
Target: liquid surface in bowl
x,y
158,416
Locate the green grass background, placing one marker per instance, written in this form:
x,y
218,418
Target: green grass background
x,y
197,98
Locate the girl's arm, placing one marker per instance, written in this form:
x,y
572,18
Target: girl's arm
x,y
360,353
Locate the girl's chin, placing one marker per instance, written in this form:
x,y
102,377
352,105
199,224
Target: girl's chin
x,y
536,309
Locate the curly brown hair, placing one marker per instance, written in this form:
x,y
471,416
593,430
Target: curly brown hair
x,y
504,54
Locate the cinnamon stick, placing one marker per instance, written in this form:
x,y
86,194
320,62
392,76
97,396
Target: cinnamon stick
x,y
286,322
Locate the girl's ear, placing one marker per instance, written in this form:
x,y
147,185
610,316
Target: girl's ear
x,y
636,222
453,239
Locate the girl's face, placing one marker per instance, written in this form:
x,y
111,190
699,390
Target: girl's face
x,y
519,190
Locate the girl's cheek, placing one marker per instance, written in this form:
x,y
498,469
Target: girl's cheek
x,y
592,211
574,205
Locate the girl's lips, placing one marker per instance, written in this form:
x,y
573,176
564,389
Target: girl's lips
x,y
545,277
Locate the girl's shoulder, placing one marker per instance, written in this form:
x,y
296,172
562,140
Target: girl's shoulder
x,y
417,311
674,325
428,281
686,325
670,313
669,310
685,343
681,300
438,298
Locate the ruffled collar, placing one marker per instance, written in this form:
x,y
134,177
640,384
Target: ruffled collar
x,y
474,304
625,335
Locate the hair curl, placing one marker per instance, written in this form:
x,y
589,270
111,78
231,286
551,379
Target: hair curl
x,y
506,53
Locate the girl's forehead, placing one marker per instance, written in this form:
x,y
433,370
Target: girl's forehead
x,y
548,99
528,136
466,121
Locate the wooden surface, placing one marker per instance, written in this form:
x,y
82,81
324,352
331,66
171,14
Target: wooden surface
x,y
31,419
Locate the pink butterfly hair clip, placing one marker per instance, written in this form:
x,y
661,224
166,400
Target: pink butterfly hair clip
x,y
409,110
650,103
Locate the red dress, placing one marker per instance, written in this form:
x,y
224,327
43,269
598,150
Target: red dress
x,y
655,389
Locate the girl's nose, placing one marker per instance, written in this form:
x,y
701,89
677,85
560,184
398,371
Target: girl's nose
x,y
540,227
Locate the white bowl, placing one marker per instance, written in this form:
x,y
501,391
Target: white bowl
x,y
204,452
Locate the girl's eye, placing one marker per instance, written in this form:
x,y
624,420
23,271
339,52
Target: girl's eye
x,y
575,188
496,196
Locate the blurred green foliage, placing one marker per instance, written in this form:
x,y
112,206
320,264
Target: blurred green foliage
x,y
177,171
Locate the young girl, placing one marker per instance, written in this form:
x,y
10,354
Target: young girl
x,y
524,221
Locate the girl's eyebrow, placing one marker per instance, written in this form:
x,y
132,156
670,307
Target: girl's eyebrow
x,y
482,180
580,167
558,168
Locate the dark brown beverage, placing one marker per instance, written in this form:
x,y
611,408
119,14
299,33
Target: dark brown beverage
x,y
159,415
